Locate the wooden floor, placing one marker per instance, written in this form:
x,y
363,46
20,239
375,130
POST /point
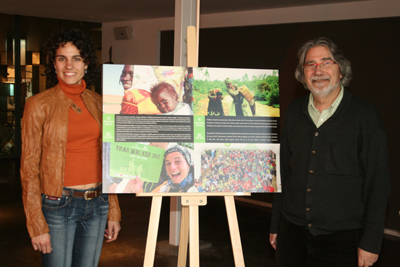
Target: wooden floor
x,y
128,250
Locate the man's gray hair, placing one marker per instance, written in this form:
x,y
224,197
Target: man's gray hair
x,y
337,56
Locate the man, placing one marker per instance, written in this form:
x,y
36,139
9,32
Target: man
x,y
334,169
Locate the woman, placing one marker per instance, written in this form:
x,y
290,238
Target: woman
x,y
240,105
126,78
61,159
137,97
179,170
178,166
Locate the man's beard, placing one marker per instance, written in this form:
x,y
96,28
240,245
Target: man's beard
x,y
325,90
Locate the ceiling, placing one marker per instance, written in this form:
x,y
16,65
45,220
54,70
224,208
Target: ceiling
x,y
121,10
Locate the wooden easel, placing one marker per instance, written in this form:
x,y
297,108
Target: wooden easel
x,y
190,223
190,227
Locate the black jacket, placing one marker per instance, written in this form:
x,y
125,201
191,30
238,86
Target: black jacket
x,y
334,177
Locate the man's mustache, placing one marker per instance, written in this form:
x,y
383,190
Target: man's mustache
x,y
320,77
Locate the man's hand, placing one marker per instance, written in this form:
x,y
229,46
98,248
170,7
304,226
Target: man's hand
x,y
366,258
112,231
272,240
42,243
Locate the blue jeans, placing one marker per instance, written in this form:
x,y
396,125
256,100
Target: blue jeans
x,y
76,230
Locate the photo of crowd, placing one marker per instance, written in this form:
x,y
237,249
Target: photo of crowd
x,y
237,171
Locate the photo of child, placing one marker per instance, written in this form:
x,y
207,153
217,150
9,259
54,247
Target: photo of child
x,y
164,96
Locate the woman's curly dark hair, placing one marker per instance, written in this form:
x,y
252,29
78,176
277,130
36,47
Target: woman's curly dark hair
x,y
86,48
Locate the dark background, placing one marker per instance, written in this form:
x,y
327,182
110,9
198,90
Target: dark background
x,y
372,46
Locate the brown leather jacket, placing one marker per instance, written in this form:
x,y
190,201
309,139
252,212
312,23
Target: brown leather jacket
x,y
44,141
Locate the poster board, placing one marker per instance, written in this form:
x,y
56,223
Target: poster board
x,y
190,130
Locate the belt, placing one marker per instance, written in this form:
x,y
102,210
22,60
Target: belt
x,y
88,194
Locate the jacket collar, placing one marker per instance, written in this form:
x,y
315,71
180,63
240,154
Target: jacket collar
x,y
65,99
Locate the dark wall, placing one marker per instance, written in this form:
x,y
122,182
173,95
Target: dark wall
x,y
372,46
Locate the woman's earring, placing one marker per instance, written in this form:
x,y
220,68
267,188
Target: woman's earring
x,y
85,71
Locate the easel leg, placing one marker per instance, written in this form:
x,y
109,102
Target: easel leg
x,y
191,205
234,231
194,236
183,238
152,232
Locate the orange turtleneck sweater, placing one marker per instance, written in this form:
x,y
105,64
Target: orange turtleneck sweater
x,y
83,159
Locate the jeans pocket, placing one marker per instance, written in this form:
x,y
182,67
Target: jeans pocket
x,y
104,198
52,203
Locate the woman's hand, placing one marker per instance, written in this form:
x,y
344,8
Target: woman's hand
x,y
42,243
112,230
